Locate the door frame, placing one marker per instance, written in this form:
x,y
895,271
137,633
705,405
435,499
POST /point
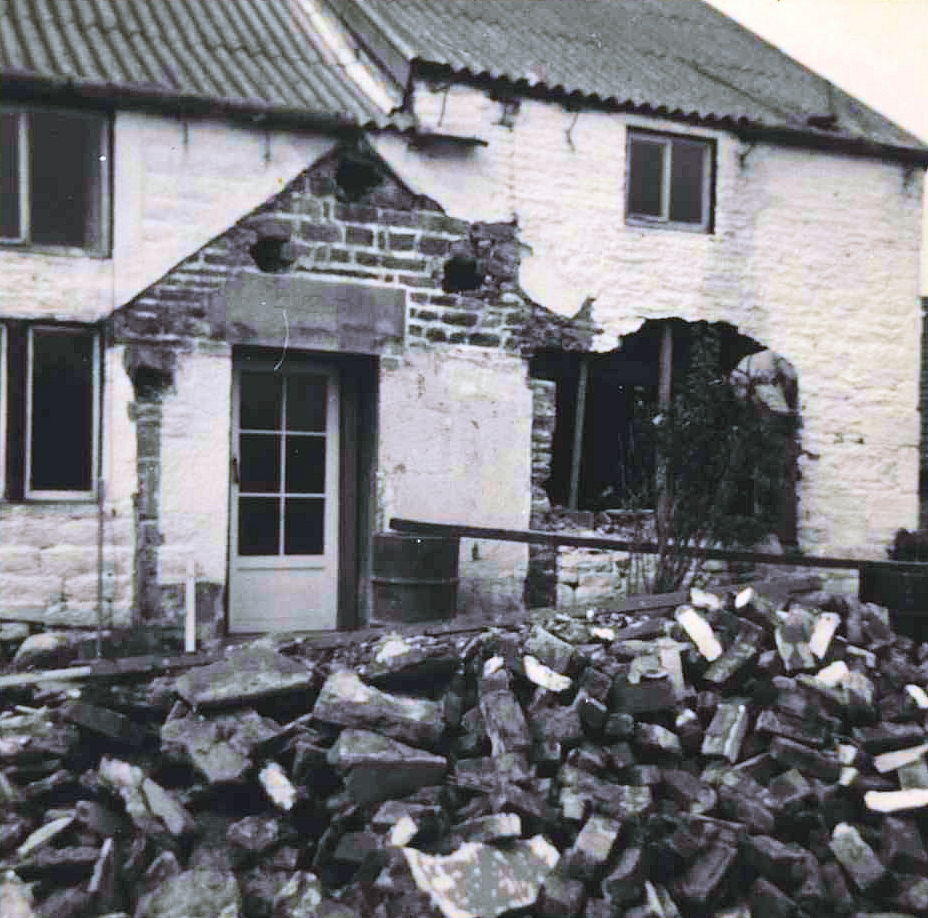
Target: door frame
x,y
358,377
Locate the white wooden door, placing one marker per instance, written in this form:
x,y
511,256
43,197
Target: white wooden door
x,y
283,570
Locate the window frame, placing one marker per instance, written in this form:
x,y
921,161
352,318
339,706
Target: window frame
x,y
667,140
101,245
30,493
4,386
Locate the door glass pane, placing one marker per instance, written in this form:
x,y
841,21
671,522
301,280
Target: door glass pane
x,y
306,403
645,177
9,176
61,448
259,462
258,526
304,530
687,166
261,401
64,178
305,465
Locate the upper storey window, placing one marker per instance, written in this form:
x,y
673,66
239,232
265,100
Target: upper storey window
x,y
54,179
669,181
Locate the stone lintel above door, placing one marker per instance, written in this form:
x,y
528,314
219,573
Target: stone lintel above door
x,y
309,312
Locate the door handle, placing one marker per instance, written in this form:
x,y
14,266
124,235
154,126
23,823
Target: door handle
x,y
234,470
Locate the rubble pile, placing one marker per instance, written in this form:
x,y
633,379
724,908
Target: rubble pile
x,y
731,757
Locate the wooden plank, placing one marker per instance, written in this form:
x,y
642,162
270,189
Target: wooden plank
x,y
109,669
579,419
609,543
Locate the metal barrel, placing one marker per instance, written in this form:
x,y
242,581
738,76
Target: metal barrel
x,y
414,578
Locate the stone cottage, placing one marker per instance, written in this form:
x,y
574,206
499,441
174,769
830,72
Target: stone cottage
x,y
274,272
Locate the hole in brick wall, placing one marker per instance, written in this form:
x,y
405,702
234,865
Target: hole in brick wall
x,y
462,272
272,254
617,462
356,178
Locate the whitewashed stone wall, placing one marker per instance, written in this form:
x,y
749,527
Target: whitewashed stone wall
x,y
814,254
455,447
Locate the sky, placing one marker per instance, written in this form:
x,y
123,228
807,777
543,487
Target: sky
x,y
877,50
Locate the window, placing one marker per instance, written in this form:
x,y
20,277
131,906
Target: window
x,y
54,179
49,397
669,181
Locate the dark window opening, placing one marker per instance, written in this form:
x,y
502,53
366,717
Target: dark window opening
x,y
462,272
669,180
356,178
272,254
63,394
53,176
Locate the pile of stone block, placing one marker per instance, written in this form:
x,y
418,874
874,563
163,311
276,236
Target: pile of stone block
x,y
733,757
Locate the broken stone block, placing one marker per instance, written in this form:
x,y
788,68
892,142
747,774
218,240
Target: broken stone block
x,y
560,724
377,767
398,664
743,808
915,798
839,896
892,761
43,835
727,730
801,730
196,893
653,739
648,696
345,700
805,759
902,848
491,828
619,726
560,897
826,625
913,896
593,713
277,786
549,649
102,821
792,637
775,861
888,737
220,748
253,835
699,632
104,722
480,881
689,792
789,791
505,722
589,854
243,677
299,897
16,899
707,873
856,857
626,881
544,676
596,684
621,801
769,901
743,650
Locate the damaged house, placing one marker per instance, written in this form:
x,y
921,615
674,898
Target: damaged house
x,y
275,272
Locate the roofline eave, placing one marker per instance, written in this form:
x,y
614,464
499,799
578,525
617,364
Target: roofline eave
x,y
32,87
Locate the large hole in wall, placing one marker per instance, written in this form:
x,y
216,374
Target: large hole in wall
x,y
614,461
356,177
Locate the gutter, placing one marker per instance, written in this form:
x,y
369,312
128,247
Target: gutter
x,y
156,98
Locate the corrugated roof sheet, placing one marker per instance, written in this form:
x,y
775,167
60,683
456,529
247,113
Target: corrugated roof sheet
x,y
265,55
679,57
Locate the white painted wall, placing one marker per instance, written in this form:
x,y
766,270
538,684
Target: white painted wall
x,y
455,447
196,418
815,255
176,185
